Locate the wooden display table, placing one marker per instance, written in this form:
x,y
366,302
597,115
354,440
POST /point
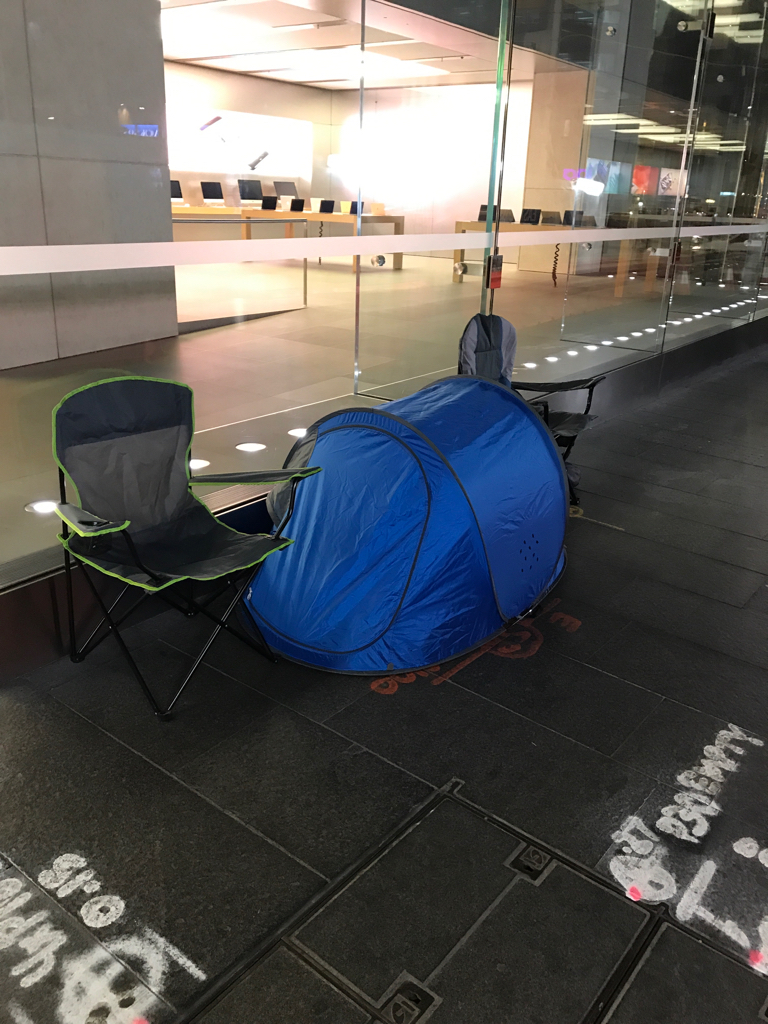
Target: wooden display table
x,y
248,214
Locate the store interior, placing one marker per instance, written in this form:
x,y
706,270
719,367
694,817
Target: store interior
x,y
264,99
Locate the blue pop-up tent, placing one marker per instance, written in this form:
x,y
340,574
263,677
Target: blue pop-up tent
x,y
436,519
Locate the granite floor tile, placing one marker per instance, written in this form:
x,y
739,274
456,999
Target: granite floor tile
x,y
684,982
722,514
408,911
689,673
661,527
732,631
675,739
644,470
317,794
312,693
554,788
574,699
181,867
651,559
283,990
211,708
510,962
576,626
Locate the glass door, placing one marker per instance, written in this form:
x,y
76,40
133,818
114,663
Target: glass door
x,y
430,146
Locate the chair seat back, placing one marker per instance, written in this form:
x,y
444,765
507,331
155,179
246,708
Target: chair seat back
x,y
487,348
124,444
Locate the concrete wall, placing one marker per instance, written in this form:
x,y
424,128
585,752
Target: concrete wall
x,y
72,75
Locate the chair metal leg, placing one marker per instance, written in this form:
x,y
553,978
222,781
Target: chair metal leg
x,y
128,656
73,652
262,647
91,644
207,646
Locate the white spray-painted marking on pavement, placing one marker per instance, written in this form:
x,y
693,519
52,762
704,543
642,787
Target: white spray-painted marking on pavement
x,y
90,980
18,1014
688,817
645,866
123,976
746,847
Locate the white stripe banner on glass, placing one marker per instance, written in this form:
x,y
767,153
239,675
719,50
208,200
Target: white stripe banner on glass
x,y
59,259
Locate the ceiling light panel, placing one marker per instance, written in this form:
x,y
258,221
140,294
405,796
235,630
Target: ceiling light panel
x,y
344,64
411,50
197,33
460,64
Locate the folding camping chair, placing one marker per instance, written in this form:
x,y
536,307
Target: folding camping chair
x,y
123,445
565,426
487,349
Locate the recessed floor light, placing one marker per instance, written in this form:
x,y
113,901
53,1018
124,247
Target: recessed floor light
x,y
298,432
250,446
551,359
635,334
572,352
676,322
198,463
611,275
741,303
43,508
649,330
717,311
621,337
705,313
721,286
699,284
610,342
697,316
631,279
591,348
687,319
530,366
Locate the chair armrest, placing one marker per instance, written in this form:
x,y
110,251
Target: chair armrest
x,y
566,385
266,476
86,523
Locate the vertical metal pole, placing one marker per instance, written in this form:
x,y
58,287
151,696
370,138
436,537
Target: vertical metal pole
x,y
500,66
503,150
68,572
690,130
359,225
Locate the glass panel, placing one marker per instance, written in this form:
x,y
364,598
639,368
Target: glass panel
x,y
214,294
427,144
761,306
716,277
631,176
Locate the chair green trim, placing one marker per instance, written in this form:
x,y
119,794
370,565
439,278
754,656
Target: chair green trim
x,y
175,579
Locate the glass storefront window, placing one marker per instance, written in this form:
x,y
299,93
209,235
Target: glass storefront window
x,y
613,156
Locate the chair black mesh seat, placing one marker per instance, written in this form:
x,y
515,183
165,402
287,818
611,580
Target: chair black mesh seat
x,y
569,424
123,446
565,426
194,546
